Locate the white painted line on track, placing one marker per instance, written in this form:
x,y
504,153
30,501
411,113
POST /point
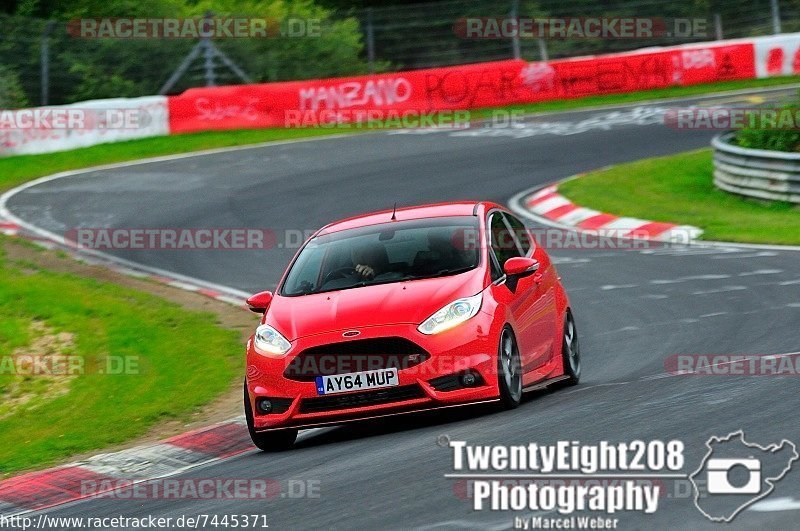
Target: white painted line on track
x,y
609,287
761,272
724,289
776,504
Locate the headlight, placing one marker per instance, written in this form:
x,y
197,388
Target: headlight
x,y
270,342
452,315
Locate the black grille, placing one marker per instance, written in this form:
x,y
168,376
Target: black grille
x,y
355,356
280,405
446,383
452,382
366,398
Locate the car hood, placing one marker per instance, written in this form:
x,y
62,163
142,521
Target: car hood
x,y
382,304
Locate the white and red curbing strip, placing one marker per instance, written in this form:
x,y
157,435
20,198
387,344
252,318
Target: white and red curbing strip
x,y
105,473
9,229
548,205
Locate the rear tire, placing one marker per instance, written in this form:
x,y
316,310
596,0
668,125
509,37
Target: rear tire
x,y
509,370
271,441
571,351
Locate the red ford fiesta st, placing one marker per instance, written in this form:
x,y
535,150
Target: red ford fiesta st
x,y
399,311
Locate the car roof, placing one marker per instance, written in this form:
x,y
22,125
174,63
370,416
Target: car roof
x,y
436,210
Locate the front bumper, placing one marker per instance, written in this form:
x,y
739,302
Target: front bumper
x,y
430,384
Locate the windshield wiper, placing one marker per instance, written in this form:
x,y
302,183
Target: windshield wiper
x,y
453,271
440,273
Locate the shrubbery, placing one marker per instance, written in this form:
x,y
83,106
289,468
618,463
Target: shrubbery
x,y
784,135
11,94
82,68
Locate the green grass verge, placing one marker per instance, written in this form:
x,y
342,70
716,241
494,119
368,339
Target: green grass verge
x,y
18,169
679,189
176,361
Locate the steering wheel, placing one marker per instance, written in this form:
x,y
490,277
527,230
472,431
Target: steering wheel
x,y
339,272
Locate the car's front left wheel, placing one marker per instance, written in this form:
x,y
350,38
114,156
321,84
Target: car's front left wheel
x,y
270,441
571,351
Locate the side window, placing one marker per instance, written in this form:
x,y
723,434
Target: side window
x,y
521,232
503,242
497,271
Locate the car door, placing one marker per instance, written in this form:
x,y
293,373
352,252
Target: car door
x,y
512,293
540,301
526,297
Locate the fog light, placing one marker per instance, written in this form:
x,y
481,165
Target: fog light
x,y
468,379
264,406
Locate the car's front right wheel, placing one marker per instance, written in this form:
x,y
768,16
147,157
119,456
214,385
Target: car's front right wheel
x,y
270,441
509,370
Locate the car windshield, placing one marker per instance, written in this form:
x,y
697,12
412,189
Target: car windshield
x,y
390,252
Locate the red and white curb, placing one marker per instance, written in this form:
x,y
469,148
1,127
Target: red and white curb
x,y
551,208
104,473
9,229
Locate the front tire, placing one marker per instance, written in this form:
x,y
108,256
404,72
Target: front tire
x,y
271,441
571,351
509,370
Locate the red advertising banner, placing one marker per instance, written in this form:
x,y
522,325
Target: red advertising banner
x,y
363,98
639,71
279,104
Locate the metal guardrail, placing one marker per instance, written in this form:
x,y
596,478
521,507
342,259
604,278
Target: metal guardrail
x,y
760,173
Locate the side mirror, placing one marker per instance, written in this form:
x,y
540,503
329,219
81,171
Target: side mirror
x,y
259,302
519,265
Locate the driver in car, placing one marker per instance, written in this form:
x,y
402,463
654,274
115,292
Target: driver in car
x,y
371,260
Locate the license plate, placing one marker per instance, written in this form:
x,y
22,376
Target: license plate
x,y
356,381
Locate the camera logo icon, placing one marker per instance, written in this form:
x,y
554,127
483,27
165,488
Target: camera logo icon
x,y
720,471
735,473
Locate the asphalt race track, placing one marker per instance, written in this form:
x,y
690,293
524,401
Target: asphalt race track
x,y
633,308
